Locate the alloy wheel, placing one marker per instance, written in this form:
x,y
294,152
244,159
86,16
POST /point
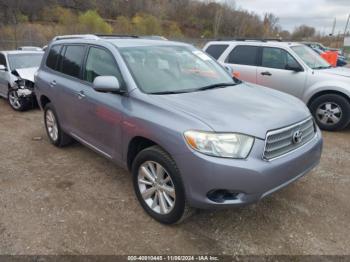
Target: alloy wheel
x,y
156,187
51,125
329,113
14,100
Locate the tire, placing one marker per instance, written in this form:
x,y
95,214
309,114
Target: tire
x,y
180,210
17,103
331,112
53,129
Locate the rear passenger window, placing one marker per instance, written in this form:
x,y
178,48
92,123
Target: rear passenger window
x,y
52,58
243,55
72,60
100,63
216,50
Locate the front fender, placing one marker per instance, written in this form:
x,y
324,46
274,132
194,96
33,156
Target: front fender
x,y
332,86
161,124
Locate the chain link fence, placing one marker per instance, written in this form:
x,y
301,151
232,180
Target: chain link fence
x,y
12,44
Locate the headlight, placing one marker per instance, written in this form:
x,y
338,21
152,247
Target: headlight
x,y
228,145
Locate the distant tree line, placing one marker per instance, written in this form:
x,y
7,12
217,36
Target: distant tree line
x,y
42,19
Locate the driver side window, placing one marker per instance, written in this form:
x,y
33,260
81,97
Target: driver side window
x,y
277,58
100,63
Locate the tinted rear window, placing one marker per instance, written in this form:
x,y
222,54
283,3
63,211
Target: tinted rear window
x,y
216,50
52,58
244,55
72,60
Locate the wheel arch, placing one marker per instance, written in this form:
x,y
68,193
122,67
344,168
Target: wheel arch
x,y
44,100
136,145
327,92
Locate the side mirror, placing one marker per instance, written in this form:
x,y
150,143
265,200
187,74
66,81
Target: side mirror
x,y
3,68
229,69
294,67
106,84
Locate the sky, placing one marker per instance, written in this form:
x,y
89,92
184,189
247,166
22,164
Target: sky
x,y
317,13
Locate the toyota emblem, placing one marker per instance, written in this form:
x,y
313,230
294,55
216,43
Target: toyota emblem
x,y
297,137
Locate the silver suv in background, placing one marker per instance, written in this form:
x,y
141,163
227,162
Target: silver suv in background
x,y
292,68
190,134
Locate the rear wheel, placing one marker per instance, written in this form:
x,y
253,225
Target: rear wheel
x,y
331,112
158,186
53,129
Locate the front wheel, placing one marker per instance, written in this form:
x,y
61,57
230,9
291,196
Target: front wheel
x,y
17,103
331,112
158,186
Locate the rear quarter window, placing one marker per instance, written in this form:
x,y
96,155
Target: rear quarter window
x,y
216,50
244,55
52,58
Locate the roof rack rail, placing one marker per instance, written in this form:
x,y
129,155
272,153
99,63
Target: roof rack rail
x,y
99,36
88,36
117,36
250,39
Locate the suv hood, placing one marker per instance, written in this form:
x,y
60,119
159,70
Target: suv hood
x,y
339,71
244,108
26,73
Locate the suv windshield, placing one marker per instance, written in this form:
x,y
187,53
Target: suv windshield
x,y
310,58
174,69
19,61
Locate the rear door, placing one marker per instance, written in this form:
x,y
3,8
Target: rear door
x,y
272,71
243,60
70,88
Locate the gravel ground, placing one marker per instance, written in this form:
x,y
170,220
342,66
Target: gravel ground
x,y
72,201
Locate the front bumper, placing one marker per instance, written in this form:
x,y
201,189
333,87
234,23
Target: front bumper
x,y
25,92
252,178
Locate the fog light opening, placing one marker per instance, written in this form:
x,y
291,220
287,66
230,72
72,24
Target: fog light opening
x,y
222,195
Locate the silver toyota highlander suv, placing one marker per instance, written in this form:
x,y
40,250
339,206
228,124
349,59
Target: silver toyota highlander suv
x,y
292,68
191,135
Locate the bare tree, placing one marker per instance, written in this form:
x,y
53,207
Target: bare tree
x,y
217,21
303,32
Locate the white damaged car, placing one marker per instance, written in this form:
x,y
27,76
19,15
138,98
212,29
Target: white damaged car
x,y
17,69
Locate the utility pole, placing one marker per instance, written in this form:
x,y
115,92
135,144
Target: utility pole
x,y
346,26
334,24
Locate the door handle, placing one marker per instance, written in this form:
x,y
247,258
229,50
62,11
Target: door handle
x,y
53,83
267,73
81,94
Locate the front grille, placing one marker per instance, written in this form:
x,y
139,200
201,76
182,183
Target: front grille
x,y
284,140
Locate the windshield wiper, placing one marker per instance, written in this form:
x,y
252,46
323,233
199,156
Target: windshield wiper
x,y
219,85
169,92
322,67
